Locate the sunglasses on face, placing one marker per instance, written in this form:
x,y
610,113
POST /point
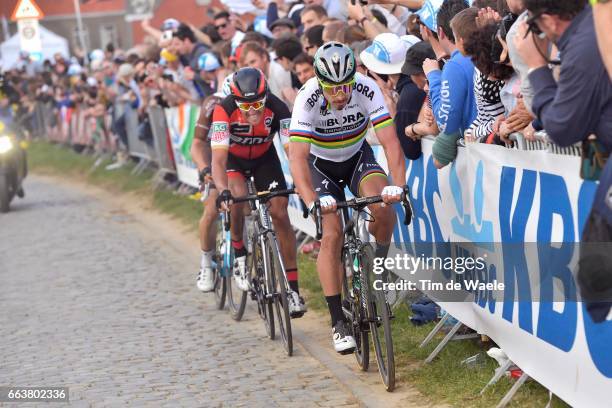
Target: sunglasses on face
x,y
247,106
220,26
334,90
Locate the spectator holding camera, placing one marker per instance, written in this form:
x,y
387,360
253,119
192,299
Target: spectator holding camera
x,y
483,46
580,103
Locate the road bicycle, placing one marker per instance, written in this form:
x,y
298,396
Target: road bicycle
x,y
367,310
268,279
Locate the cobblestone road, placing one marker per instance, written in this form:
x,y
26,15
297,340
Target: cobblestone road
x,y
93,299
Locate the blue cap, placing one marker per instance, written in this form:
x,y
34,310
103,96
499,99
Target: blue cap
x,y
428,13
260,25
170,24
208,62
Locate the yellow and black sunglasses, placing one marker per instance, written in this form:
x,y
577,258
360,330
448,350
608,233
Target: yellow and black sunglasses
x,y
334,89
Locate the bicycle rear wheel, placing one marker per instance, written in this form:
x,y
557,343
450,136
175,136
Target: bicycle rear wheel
x,y
220,283
356,315
236,297
280,295
380,321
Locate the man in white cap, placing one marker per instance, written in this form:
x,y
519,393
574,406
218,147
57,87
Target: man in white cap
x,y
384,60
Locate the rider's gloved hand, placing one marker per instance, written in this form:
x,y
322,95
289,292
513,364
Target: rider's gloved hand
x,y
328,204
224,198
392,194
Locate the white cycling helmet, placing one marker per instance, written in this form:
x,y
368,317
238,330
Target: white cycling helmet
x,y
334,63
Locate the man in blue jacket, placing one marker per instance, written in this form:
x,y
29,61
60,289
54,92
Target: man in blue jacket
x,y
451,90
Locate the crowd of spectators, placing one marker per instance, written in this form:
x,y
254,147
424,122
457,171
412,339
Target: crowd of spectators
x,y
462,71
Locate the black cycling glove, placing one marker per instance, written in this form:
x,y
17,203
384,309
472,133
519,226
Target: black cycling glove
x,y
205,172
225,196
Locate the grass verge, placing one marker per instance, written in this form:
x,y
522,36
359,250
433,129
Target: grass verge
x,y
445,380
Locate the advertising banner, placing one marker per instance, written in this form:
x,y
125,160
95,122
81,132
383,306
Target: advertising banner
x,y
181,121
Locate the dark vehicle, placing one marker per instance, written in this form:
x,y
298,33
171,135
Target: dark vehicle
x,y
13,167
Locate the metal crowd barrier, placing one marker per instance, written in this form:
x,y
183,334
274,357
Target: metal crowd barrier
x,y
136,147
161,141
75,127
544,143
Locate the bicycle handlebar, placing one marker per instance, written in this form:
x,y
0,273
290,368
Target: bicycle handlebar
x,y
263,195
359,203
260,196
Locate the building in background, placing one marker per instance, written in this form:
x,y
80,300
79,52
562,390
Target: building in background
x,y
105,21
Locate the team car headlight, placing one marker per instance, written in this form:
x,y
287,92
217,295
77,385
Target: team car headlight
x,y
5,144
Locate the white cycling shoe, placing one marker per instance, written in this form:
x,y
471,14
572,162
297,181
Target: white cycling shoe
x,y
240,274
296,304
205,281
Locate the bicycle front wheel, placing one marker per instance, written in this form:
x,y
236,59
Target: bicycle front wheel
x,y
380,321
220,283
280,295
236,297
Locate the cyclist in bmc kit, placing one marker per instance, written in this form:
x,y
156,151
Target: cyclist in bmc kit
x,y
243,128
331,115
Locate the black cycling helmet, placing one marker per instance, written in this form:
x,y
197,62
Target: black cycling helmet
x,y
248,85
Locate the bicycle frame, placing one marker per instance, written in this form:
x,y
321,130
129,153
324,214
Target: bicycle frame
x,y
226,266
264,226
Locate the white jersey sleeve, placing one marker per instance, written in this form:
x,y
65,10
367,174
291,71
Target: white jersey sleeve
x,y
302,124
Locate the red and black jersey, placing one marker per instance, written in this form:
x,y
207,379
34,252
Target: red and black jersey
x,y
231,131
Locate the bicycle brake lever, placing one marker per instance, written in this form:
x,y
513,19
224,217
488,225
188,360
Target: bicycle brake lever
x,y
304,209
407,206
318,221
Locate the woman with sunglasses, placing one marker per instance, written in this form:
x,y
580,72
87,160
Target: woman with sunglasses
x,y
331,116
243,128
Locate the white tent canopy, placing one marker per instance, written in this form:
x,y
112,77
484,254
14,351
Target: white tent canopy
x,y
51,44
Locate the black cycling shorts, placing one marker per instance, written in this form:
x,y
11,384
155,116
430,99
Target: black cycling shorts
x,y
330,178
266,169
